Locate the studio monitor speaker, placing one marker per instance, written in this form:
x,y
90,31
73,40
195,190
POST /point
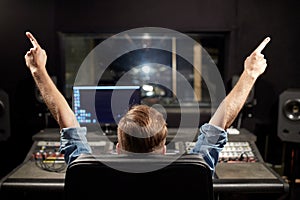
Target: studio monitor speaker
x,y
4,116
288,129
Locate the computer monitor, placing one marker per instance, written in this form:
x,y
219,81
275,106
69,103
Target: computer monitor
x,y
103,105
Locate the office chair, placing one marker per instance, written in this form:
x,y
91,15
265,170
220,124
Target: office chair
x,y
133,177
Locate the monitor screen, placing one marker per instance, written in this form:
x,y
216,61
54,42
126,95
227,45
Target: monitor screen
x,y
103,105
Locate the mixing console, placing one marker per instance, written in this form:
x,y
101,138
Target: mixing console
x,y
46,156
234,152
240,148
237,152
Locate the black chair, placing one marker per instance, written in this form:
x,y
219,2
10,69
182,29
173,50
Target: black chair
x,y
138,177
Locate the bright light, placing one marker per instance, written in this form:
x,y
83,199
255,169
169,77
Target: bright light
x,y
146,69
146,36
148,88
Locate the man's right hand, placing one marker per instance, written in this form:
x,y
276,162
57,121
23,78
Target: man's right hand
x,y
254,66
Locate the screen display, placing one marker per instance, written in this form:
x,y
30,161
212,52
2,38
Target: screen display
x,y
104,105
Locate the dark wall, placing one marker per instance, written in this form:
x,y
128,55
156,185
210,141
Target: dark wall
x,y
16,17
277,19
246,22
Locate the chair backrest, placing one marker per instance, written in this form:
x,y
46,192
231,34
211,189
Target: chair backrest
x,y
137,177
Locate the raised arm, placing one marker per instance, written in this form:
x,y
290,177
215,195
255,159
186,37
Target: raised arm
x,y
36,59
254,66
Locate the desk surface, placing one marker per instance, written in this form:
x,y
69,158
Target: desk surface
x,y
231,177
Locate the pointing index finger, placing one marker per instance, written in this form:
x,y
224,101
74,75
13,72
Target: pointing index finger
x,y
32,40
262,45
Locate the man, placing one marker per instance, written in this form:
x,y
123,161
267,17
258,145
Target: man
x,y
143,129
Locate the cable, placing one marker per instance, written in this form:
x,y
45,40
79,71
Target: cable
x,y
242,157
50,163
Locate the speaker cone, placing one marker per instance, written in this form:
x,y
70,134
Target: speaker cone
x,y
291,109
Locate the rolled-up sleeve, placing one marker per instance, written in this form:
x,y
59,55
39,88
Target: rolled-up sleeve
x,y
210,143
73,142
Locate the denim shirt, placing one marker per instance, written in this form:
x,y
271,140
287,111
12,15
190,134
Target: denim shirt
x,y
210,142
